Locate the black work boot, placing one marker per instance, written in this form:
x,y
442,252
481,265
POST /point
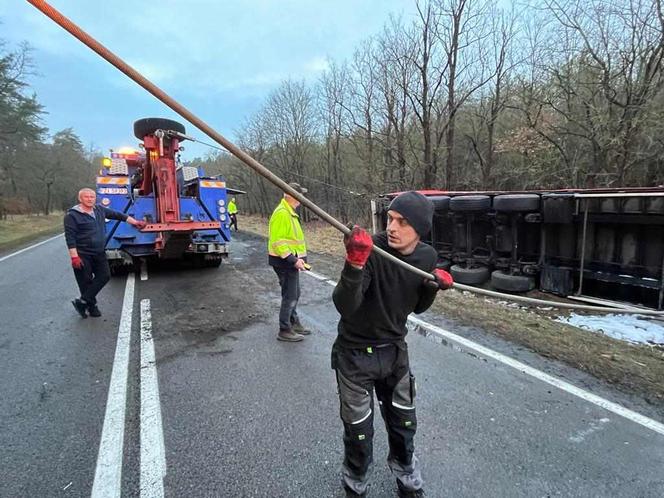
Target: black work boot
x,y
80,307
409,493
287,335
300,329
93,310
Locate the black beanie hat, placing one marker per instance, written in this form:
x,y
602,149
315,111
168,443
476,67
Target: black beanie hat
x,y
416,208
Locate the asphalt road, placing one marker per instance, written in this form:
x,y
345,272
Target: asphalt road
x,y
226,410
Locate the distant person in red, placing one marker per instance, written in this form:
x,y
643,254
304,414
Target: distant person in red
x,y
85,236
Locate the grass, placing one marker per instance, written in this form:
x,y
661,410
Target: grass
x,y
17,230
632,368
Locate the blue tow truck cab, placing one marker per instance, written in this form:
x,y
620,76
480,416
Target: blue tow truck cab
x,y
185,211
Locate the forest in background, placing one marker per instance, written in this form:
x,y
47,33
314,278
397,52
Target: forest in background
x,y
467,95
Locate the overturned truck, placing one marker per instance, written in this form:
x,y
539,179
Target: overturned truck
x,y
584,244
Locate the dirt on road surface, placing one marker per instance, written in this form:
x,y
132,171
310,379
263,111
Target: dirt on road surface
x,y
632,368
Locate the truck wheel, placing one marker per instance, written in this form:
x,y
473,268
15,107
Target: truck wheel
x,y
204,261
516,203
213,263
474,275
440,202
444,264
148,126
119,268
511,283
470,203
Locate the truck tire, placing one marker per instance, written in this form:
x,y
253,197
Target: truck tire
x,y
470,203
474,275
205,261
558,208
119,268
213,263
516,203
147,126
440,202
511,283
444,264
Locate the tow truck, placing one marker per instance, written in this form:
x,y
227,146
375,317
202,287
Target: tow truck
x,y
185,210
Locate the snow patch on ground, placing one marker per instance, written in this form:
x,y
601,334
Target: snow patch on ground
x,y
629,328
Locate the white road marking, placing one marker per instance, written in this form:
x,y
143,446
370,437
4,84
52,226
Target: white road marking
x,y
549,379
533,372
30,247
144,270
108,474
153,454
317,276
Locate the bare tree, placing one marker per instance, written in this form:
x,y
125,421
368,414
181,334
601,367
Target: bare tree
x,y
462,31
493,102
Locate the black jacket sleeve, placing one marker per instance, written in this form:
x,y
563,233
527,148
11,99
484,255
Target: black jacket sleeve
x,y
349,291
70,231
427,295
111,214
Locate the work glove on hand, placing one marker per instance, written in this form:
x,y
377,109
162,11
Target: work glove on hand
x,y
358,246
76,262
140,224
443,280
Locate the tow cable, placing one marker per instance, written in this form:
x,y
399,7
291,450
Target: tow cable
x,y
129,71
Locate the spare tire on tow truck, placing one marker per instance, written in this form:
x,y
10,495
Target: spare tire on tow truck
x,y
147,126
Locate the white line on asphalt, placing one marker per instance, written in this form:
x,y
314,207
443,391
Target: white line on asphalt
x,y
533,372
317,276
153,454
108,474
144,270
30,247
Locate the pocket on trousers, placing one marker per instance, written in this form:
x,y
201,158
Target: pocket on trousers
x,y
355,401
404,392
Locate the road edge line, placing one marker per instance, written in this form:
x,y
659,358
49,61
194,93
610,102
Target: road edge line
x,y
30,247
531,371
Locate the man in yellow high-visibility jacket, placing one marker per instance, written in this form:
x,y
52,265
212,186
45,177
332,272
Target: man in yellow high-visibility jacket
x,y
232,213
288,256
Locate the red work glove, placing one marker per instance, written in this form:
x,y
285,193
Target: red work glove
x,y
444,279
140,224
76,262
358,246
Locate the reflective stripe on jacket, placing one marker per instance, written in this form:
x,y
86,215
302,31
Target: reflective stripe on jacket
x,y
285,233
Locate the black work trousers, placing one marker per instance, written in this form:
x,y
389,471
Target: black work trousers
x,y
233,218
384,369
92,278
289,280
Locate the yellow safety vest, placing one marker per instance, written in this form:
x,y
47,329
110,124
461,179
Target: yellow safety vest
x,y
232,208
285,233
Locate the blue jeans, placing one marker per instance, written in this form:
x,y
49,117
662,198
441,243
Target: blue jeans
x,y
289,280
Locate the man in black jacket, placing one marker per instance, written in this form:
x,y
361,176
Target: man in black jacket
x,y
374,297
86,237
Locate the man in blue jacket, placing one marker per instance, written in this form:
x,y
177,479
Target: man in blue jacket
x,y
85,236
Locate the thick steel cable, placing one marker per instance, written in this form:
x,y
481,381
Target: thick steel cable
x,y
129,71
554,304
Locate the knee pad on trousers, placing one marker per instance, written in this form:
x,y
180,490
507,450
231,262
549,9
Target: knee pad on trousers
x,y
355,401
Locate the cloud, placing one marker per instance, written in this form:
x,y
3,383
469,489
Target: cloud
x,y
317,65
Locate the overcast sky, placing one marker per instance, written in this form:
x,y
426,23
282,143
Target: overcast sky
x,y
219,58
